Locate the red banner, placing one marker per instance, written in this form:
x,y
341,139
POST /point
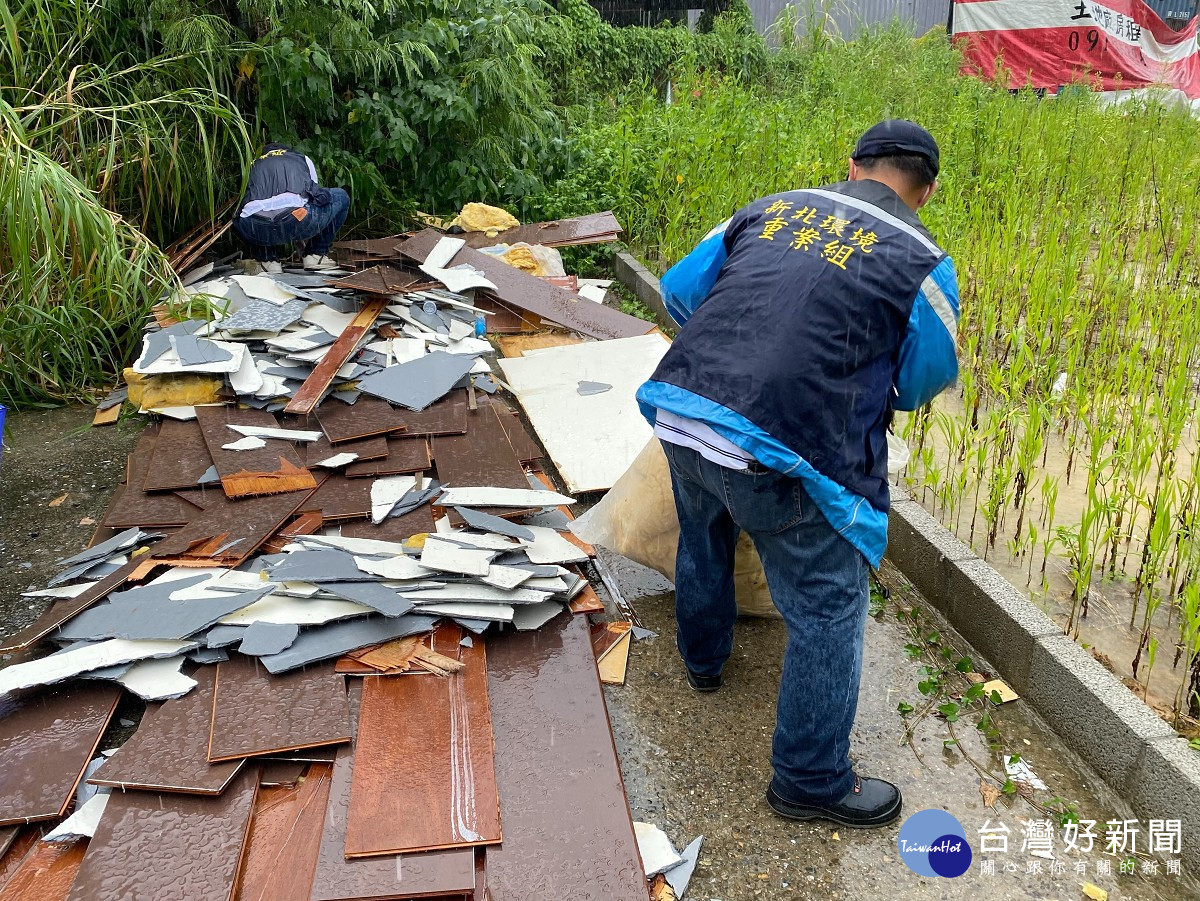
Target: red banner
x,y
1114,45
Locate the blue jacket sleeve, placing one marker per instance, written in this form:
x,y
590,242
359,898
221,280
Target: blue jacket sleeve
x,y
688,282
928,356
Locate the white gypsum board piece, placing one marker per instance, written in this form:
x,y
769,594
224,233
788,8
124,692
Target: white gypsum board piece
x,y
337,461
505,577
498,613
401,568
444,251
247,378
157,679
473,591
83,822
486,541
353,545
76,661
327,318
484,496
263,288
592,439
386,492
247,443
255,431
277,608
64,591
169,362
550,546
446,556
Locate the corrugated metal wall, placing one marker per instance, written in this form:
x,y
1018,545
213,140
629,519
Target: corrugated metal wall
x,y
850,16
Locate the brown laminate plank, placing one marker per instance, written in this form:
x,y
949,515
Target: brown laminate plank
x,y
593,228
424,875
309,394
47,873
47,738
481,457
257,713
374,448
523,445
273,469
447,416
285,838
551,724
20,848
179,459
528,292
424,777
404,455
366,417
169,750
168,846
394,528
340,497
379,280
132,506
228,531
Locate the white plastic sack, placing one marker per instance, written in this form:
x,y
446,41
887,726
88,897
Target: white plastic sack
x,y
637,519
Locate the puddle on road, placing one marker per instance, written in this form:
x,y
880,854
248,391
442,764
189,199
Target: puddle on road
x,y
699,764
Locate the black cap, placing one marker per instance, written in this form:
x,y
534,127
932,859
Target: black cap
x,y
893,136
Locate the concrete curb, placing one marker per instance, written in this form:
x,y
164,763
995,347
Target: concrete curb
x,y
1136,754
629,271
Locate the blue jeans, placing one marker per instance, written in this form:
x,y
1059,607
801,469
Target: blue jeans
x,y
818,581
318,228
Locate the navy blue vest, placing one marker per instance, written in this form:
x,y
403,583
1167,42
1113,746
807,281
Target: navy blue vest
x,y
278,171
802,331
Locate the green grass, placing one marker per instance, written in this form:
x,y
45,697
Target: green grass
x,y
1074,230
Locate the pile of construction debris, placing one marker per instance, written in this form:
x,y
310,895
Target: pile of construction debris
x,y
348,595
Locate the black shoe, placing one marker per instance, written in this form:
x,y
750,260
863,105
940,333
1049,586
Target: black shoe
x,y
872,802
703,683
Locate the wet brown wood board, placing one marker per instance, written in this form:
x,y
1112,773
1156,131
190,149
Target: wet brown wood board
x,y
549,717
447,416
169,750
47,738
394,528
428,874
248,521
367,416
531,293
273,469
424,778
159,846
340,497
504,319
47,873
309,394
179,459
256,713
594,228
483,456
21,847
367,449
404,455
284,839
519,439
379,280
132,506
